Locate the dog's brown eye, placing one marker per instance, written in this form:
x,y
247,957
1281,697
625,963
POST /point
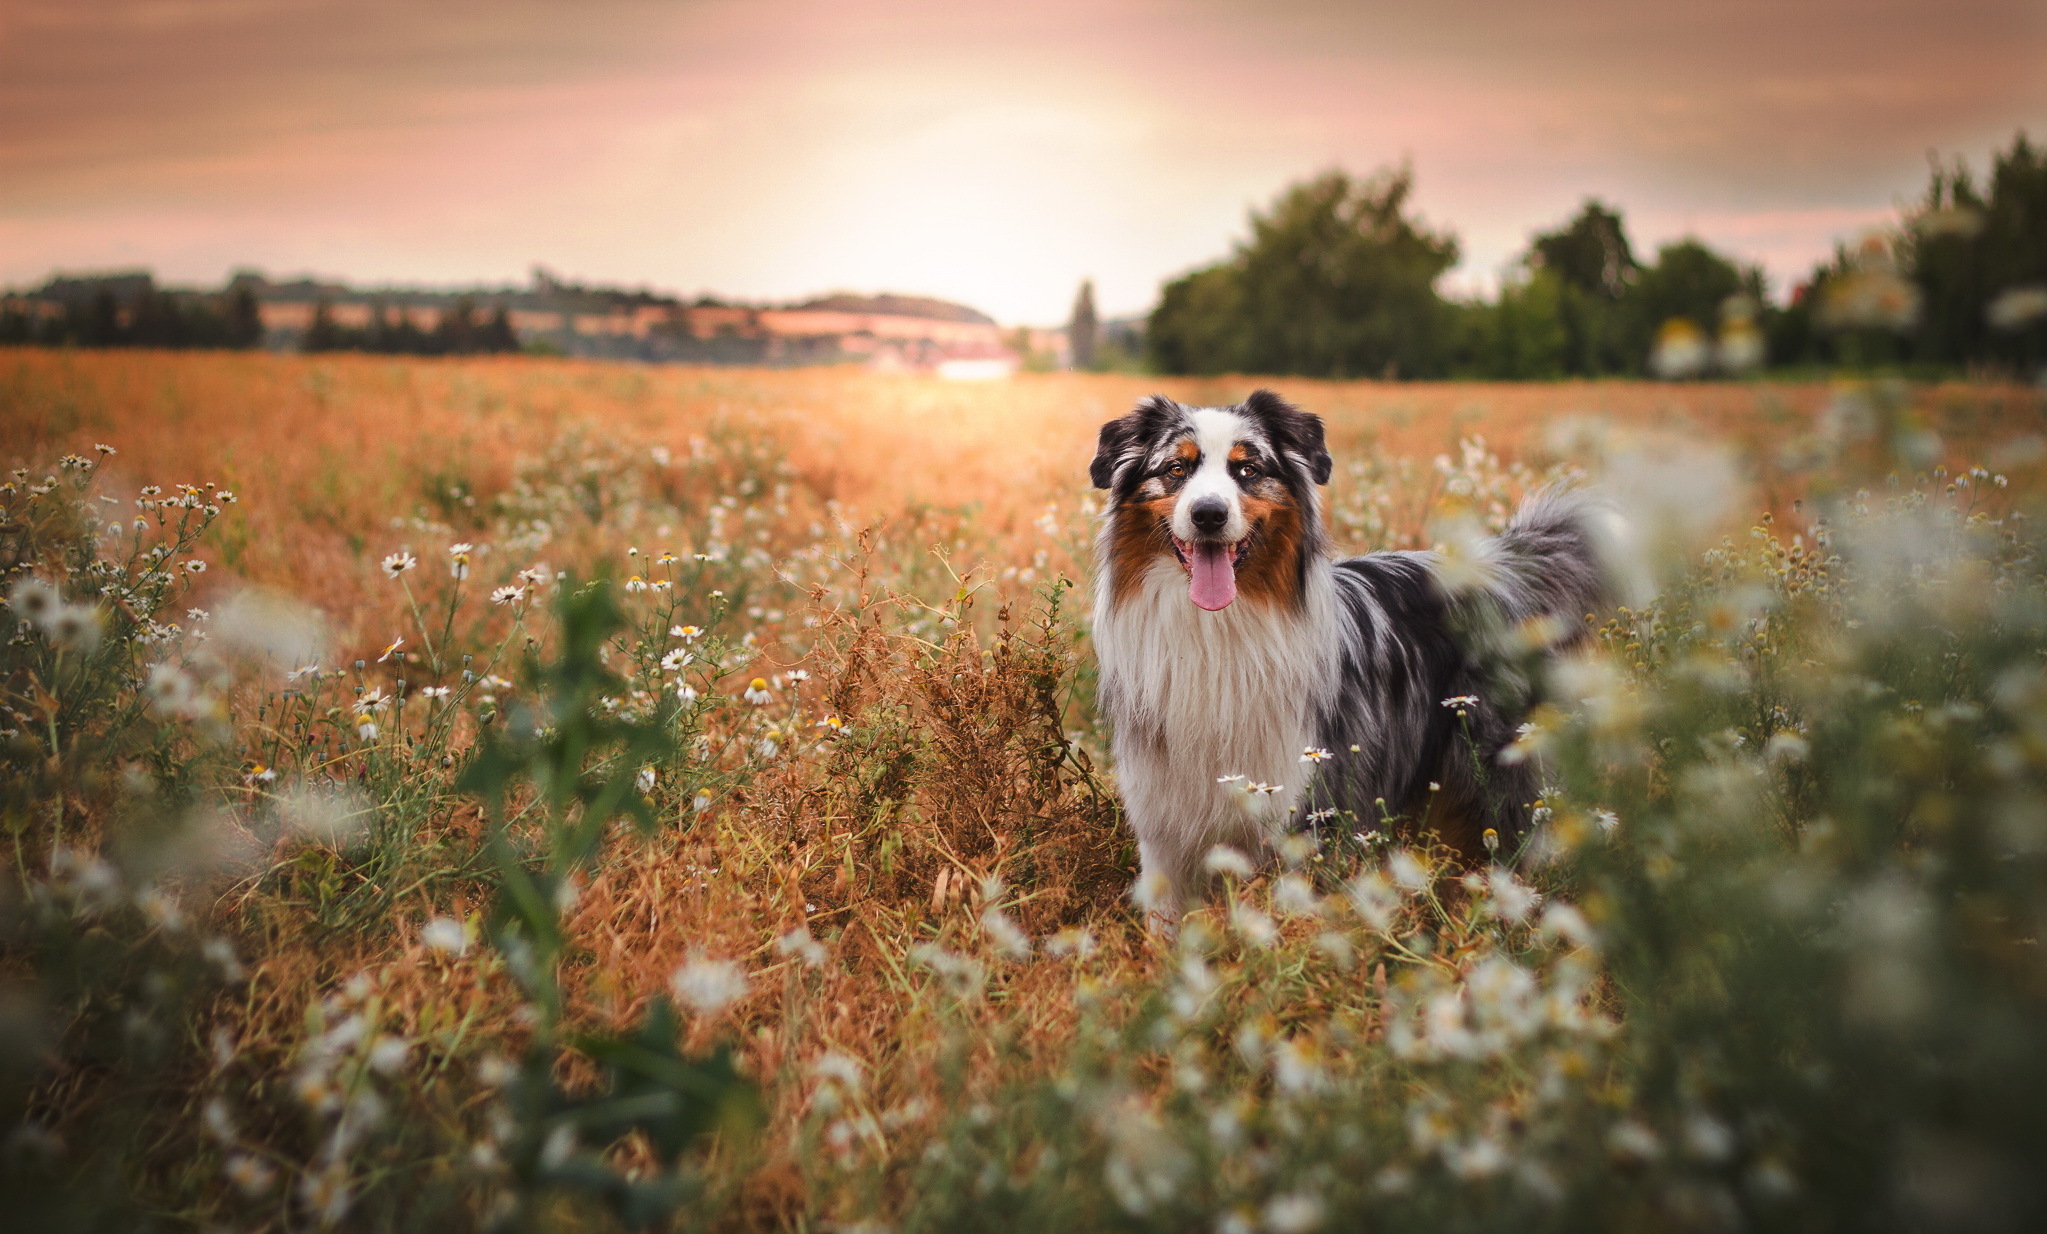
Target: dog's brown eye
x,y
1247,471
1177,470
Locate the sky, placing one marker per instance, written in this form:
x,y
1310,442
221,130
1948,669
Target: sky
x,y
994,154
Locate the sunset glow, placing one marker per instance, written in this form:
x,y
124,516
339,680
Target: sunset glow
x,y
781,149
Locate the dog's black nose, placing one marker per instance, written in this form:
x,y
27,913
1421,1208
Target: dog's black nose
x,y
1209,515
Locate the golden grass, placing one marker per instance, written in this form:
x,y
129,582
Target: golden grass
x,y
324,453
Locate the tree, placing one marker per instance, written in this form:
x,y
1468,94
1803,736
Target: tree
x,y
497,334
1080,331
1689,283
456,333
1980,259
1590,253
1593,266
244,319
1335,281
322,334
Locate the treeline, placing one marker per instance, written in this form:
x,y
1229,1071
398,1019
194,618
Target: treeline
x,y
131,311
460,331
1338,279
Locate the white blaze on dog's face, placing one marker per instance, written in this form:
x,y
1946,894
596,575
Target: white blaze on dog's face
x,y
1228,493
1209,527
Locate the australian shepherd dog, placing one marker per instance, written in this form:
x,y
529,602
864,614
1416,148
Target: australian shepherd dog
x,y
1255,683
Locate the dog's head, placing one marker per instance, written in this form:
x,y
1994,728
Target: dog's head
x,y
1226,492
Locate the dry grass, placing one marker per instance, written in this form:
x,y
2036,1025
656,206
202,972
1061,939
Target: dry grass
x,y
955,769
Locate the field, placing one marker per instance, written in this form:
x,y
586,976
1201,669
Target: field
x,y
565,796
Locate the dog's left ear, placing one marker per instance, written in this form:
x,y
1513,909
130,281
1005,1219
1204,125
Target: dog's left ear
x,y
1293,432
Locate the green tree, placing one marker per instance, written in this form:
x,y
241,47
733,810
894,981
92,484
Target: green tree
x,y
1594,266
1690,282
1979,258
1529,339
1336,280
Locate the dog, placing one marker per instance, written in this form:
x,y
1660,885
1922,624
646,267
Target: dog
x,y
1254,683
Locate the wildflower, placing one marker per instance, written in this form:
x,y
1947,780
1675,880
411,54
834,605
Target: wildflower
x,y
1253,926
1005,934
796,674
1631,1141
224,497
1461,703
688,634
387,1056
104,448
674,660
1225,860
458,559
1314,754
700,803
221,954
687,693
1229,779
251,1176
365,728
1295,895
161,910
1407,871
259,774
757,692
507,595
1262,789
1492,841
326,1194
635,584
392,650
1297,1067
838,1076
962,972
1513,899
398,563
833,725
445,935
35,600
1073,941
1564,922
433,693
708,986
645,780
798,944
75,628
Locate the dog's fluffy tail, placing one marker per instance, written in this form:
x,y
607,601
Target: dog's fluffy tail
x,y
1547,564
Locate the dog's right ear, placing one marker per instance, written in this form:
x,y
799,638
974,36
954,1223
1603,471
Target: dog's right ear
x,y
1122,437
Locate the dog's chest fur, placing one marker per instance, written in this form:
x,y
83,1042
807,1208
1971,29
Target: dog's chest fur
x,y
1198,695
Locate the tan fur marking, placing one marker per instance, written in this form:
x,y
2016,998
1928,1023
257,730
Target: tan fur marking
x,y
1272,573
1142,532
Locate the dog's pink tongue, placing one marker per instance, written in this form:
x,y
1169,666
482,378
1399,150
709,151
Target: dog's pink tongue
x,y
1214,583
